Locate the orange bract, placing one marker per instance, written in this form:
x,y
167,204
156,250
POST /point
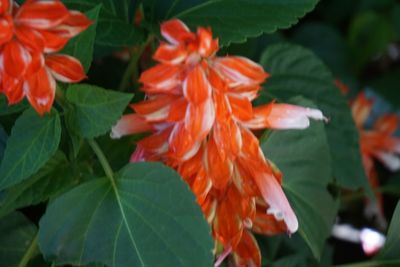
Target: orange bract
x,y
28,34
376,143
199,110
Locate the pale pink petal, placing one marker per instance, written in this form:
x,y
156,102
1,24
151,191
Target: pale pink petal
x,y
391,161
284,116
130,124
274,196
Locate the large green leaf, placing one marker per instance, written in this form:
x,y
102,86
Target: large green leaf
x,y
33,140
54,178
297,71
304,158
16,236
113,27
392,246
146,216
233,21
96,109
327,43
82,46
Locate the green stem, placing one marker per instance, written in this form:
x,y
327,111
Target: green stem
x,y
132,66
102,159
32,249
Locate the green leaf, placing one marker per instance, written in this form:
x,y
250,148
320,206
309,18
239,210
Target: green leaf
x,y
17,235
32,142
118,8
392,246
297,71
51,180
6,109
146,216
96,109
306,167
3,141
233,21
82,46
113,26
369,35
327,43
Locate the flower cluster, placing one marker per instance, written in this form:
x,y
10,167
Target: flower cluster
x,y
30,37
376,143
200,115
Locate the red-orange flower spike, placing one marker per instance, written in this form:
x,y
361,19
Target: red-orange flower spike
x,y
27,34
199,111
376,143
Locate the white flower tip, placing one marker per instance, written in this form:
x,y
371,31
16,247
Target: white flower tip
x,y
114,134
291,223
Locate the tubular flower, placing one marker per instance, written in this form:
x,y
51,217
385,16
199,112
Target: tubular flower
x,y
200,115
378,142
30,34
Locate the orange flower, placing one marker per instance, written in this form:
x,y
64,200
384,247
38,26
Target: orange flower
x,y
378,142
28,34
199,111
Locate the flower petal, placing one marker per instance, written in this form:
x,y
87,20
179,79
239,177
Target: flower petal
x,y
30,38
207,46
170,54
175,31
199,119
228,226
283,116
42,14
218,169
40,90
4,6
241,107
130,124
228,139
266,224
247,252
391,161
74,24
239,71
157,142
161,78
177,110
6,28
16,59
196,87
53,42
361,108
201,186
181,143
65,68
12,88
155,109
387,124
